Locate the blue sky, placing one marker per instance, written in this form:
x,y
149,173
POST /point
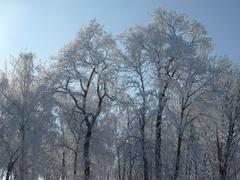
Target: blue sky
x,y
44,26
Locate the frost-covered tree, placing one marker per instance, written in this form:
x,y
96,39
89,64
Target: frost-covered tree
x,y
27,106
165,48
86,67
225,116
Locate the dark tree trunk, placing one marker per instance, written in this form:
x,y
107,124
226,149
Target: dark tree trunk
x,y
34,161
63,166
8,173
22,166
130,165
144,156
124,168
130,172
177,165
119,164
9,169
75,164
87,161
158,143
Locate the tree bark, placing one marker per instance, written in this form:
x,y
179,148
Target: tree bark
x,y
63,166
87,161
144,157
119,164
34,159
177,165
22,166
158,141
75,165
9,169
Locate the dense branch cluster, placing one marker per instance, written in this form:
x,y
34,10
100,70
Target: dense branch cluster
x,y
151,104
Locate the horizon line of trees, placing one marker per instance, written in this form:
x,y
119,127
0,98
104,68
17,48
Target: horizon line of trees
x,y
151,104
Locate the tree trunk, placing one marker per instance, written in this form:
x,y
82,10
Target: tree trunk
x,y
158,143
63,166
144,157
22,162
177,165
130,165
75,165
87,161
8,174
119,164
9,169
223,173
34,159
225,153
130,173
124,168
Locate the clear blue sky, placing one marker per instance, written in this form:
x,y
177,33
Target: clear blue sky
x,y
44,26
